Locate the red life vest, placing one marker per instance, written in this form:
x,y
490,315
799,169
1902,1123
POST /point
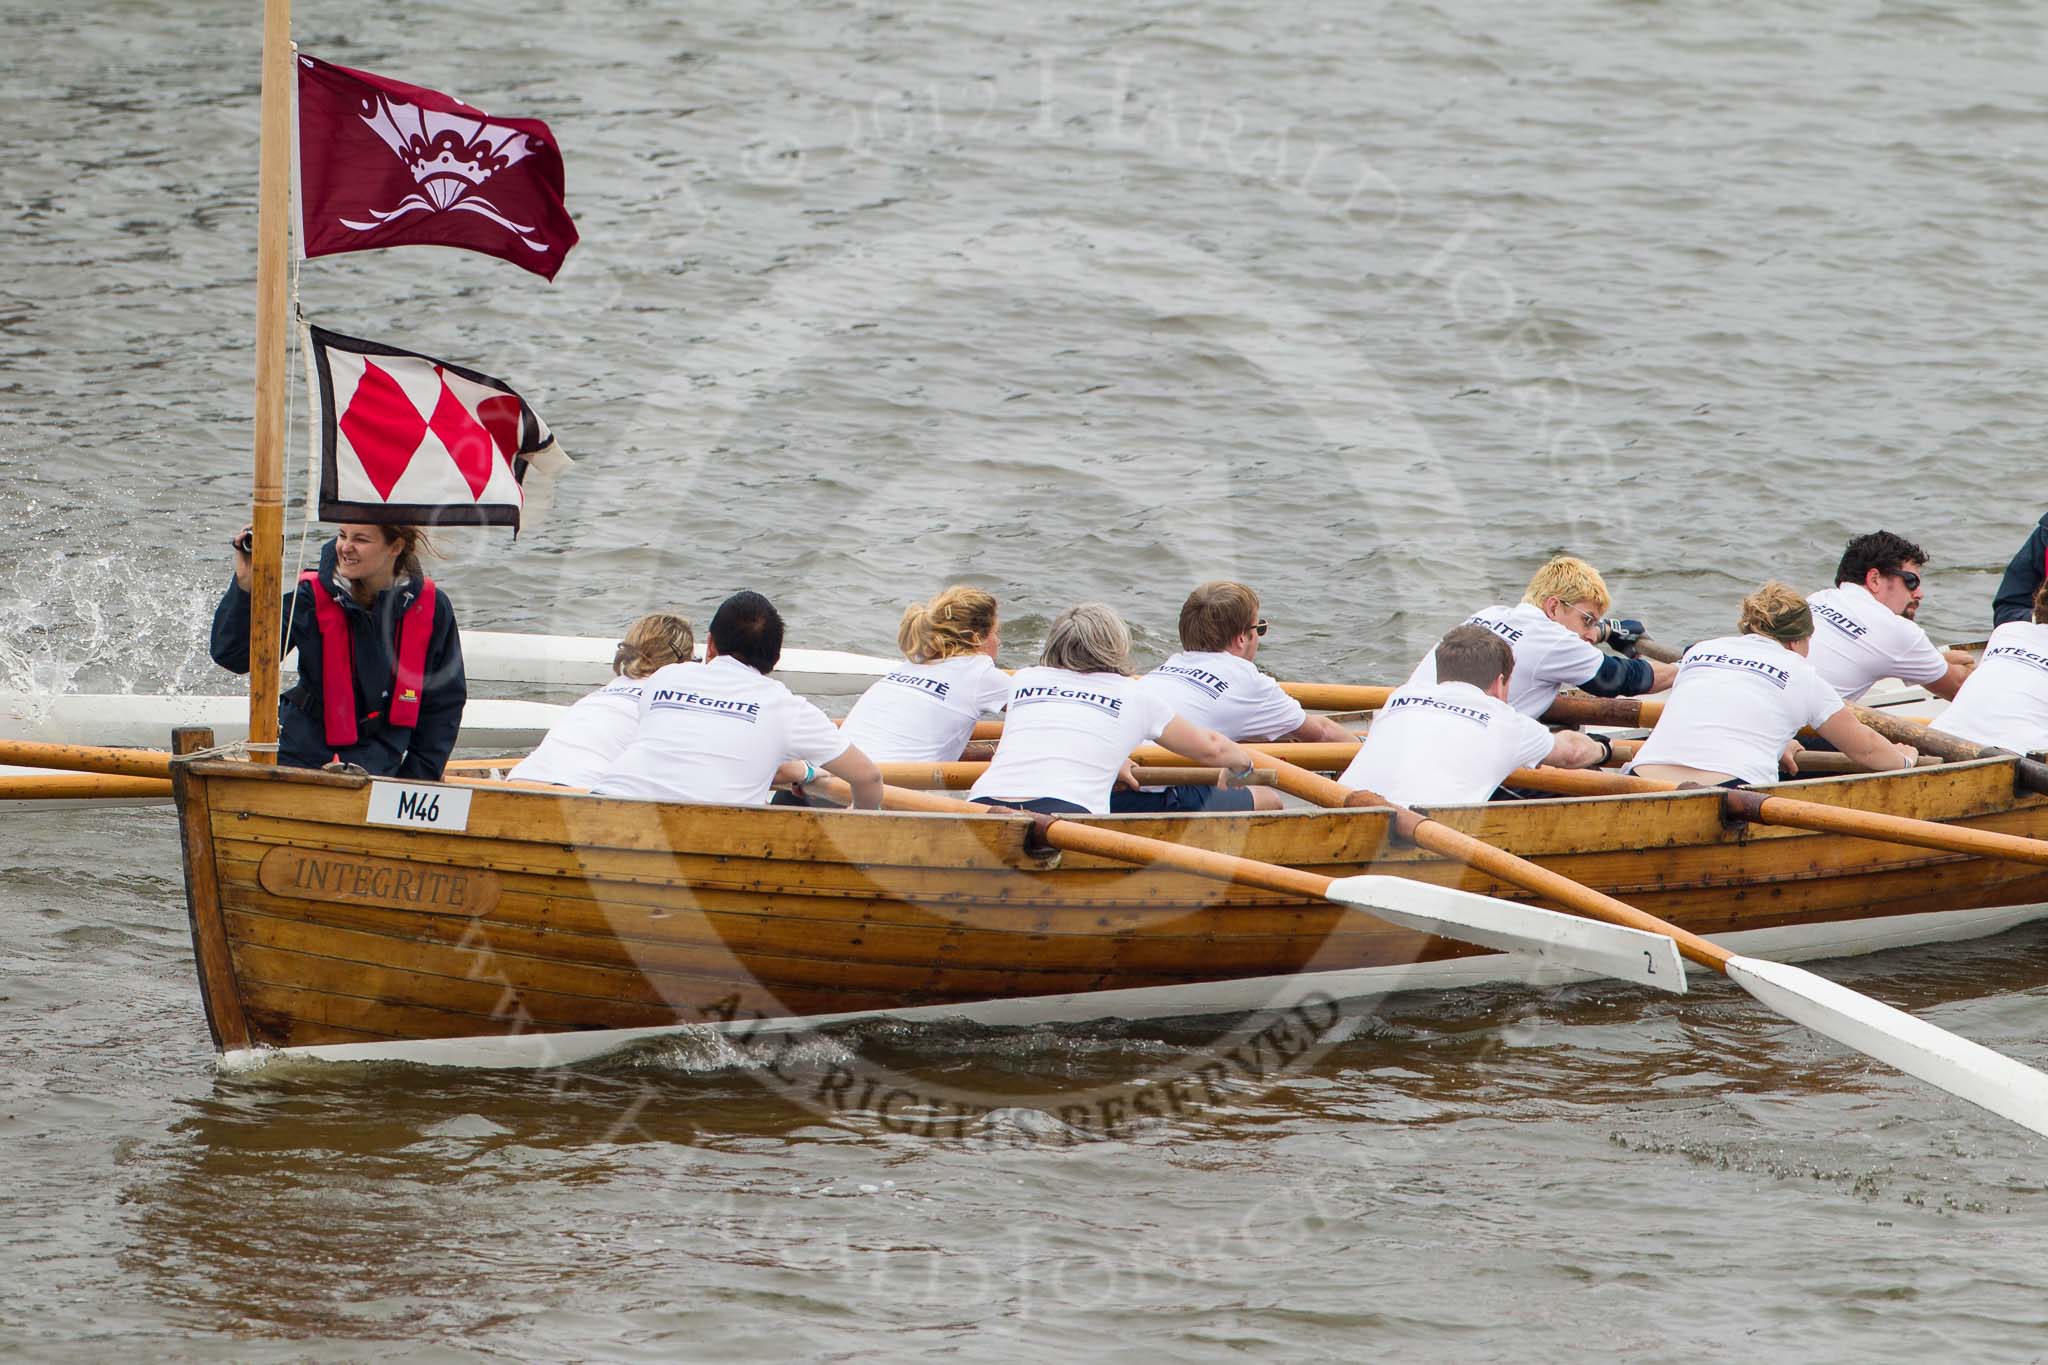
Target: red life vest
x,y
338,670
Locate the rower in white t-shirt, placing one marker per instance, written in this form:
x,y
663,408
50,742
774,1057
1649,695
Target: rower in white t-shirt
x,y
1215,681
1740,700
1554,631
923,711
580,747
1456,739
1864,628
716,732
583,745
1075,718
2004,702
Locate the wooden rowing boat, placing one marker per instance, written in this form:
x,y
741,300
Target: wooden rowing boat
x,y
360,917
365,918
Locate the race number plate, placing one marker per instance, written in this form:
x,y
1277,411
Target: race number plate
x,y
417,806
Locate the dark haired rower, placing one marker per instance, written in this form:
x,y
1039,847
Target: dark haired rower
x,y
716,732
1864,628
1456,739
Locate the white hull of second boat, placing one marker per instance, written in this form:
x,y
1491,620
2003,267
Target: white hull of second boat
x,y
563,662
582,661
143,721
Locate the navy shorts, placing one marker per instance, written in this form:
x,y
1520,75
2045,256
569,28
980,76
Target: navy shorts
x,y
1179,800
1038,805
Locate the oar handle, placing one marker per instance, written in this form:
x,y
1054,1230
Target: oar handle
x,y
1657,653
75,786
959,776
1337,696
2029,774
1629,713
85,758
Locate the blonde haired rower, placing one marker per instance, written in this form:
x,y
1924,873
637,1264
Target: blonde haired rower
x,y
592,734
1554,631
1740,699
1076,717
924,711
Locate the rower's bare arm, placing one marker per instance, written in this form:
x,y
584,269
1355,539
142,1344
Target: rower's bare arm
x,y
1960,665
1574,750
1319,730
1204,745
1662,676
1871,750
859,772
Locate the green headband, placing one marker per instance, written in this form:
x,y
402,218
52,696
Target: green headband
x,y
1794,623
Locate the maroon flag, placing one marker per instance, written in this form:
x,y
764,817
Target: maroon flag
x,y
383,163
406,437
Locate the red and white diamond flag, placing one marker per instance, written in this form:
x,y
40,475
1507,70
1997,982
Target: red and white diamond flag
x,y
403,437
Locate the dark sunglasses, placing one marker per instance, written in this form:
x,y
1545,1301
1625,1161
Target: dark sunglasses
x,y
1259,627
1911,580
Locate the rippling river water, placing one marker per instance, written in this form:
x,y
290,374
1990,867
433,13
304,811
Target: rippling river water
x,y
1371,307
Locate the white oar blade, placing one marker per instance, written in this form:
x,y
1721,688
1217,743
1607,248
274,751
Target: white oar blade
x,y
1965,1069
1585,944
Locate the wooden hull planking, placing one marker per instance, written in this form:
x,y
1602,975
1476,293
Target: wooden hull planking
x,y
549,915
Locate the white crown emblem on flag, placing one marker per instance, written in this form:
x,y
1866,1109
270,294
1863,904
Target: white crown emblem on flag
x,y
449,156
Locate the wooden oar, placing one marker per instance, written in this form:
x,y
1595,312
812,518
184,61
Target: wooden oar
x,y
1914,1046
75,786
1765,808
1812,762
2029,774
1656,653
1322,756
1569,709
85,758
957,776
1648,959
1337,696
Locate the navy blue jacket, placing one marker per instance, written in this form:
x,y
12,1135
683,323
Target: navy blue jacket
x,y
418,754
2015,600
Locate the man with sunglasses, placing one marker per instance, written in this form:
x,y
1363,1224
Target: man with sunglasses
x,y
1864,628
1213,680
1554,632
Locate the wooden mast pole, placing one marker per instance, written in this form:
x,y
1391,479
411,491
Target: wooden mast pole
x,y
273,229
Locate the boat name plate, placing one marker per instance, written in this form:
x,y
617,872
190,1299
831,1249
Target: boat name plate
x,y
418,806
351,879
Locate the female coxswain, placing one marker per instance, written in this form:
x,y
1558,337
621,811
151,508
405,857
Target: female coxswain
x,y
381,684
